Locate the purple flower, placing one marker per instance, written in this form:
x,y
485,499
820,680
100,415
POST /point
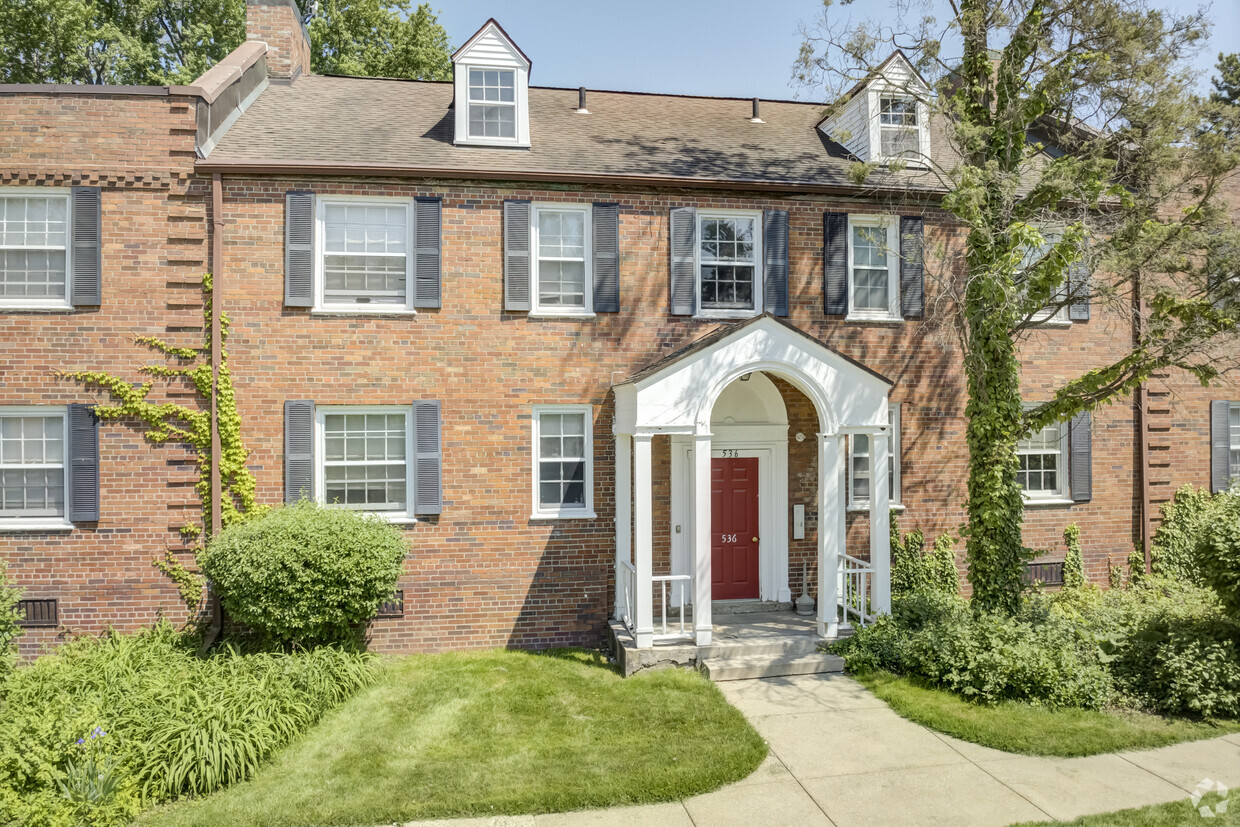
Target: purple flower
x,y
81,741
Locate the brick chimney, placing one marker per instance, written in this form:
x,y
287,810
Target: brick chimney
x,y
278,24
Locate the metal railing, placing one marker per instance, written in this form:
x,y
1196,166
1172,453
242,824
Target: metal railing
x,y
685,582
857,575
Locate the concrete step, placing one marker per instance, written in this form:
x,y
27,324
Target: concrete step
x,y
744,668
786,646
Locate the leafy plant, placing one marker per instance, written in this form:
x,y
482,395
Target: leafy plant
x,y
176,724
10,623
1218,550
1173,546
914,569
1073,562
306,573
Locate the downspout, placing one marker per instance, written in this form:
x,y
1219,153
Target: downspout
x,y
217,289
1143,430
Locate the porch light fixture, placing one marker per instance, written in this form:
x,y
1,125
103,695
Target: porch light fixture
x,y
745,377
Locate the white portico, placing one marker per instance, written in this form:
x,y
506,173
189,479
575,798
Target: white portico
x,y
729,440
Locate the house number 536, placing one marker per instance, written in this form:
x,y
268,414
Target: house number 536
x,y
728,538
730,453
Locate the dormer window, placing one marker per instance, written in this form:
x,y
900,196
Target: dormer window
x,y
897,127
492,103
491,91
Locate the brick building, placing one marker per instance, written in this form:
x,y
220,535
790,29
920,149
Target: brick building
x,y
580,346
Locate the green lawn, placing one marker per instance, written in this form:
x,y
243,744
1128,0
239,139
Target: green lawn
x,y
1175,814
1032,730
494,733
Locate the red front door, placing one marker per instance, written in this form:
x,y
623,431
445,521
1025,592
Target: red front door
x,y
734,528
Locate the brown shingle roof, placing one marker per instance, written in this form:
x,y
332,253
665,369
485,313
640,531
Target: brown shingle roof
x,y
323,121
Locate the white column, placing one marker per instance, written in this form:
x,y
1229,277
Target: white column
x,y
624,502
701,539
643,527
830,531
880,525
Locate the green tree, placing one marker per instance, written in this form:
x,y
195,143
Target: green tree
x,y
1227,84
1074,143
175,41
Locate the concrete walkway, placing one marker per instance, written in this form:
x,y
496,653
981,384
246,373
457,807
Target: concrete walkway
x,y
839,756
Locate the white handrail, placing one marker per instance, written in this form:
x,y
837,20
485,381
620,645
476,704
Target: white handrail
x,y
857,575
684,580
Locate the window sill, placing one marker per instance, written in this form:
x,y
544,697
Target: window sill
x,y
367,311
549,314
33,525
36,308
716,315
864,508
491,144
1048,502
1052,323
564,515
886,318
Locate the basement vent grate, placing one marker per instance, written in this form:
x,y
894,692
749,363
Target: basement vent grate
x,y
1048,574
394,606
37,613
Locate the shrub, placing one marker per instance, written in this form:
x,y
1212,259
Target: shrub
x,y
1073,563
914,569
1218,550
10,619
943,575
166,723
1173,546
306,573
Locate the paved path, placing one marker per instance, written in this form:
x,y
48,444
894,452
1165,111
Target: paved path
x,y
839,756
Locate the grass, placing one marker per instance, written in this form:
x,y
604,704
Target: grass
x,y
492,733
1033,730
1174,814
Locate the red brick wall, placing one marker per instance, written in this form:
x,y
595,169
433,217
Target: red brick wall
x,y
140,150
277,24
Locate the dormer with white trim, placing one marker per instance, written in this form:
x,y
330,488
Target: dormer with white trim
x,y
884,118
491,83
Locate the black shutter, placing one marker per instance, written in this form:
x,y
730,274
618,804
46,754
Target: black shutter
x,y
428,459
299,249
427,227
912,267
516,255
775,251
606,258
1078,286
684,260
1081,461
298,451
83,464
87,253
1220,445
835,263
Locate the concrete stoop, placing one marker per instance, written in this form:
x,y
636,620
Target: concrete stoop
x,y
745,645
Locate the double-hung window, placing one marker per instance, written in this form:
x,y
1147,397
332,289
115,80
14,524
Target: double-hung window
x,y
34,249
364,261
32,466
859,467
729,269
563,461
561,241
1050,315
365,462
1042,472
897,127
492,104
873,267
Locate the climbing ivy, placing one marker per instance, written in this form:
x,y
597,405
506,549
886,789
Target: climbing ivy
x,y
1073,561
170,422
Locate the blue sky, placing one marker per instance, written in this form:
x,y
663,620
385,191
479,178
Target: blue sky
x,y
700,47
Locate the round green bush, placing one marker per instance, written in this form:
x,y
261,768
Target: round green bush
x,y
1218,550
305,574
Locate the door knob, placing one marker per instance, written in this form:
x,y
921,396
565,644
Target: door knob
x,y
755,539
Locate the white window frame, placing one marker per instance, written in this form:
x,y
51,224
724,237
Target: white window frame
x,y
875,105
44,523
759,265
1061,494
1057,317
515,104
587,310
1233,441
320,454
582,512
893,464
892,225
321,305
8,303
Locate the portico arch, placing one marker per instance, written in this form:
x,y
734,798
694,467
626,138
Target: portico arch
x,y
678,394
